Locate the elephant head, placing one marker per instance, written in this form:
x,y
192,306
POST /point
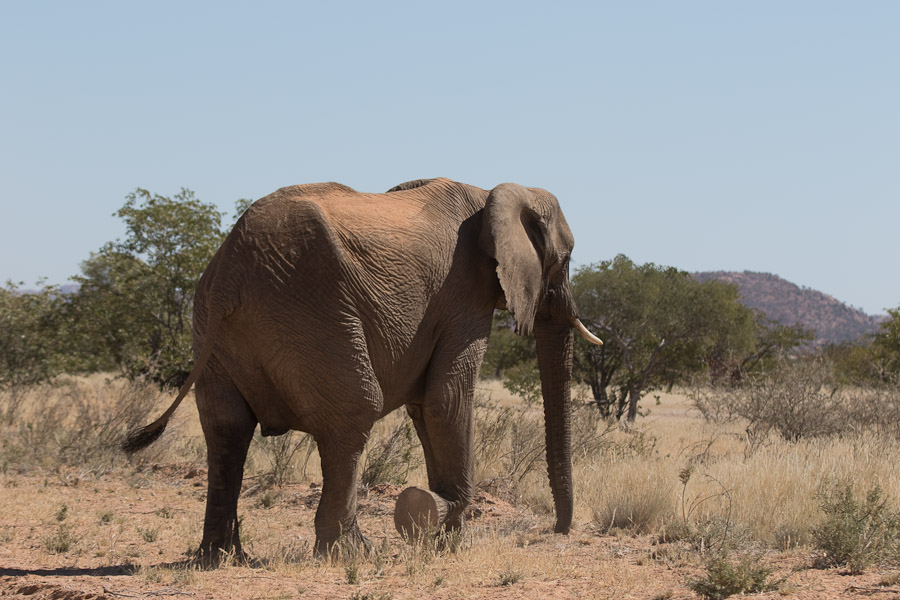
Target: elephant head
x,y
525,231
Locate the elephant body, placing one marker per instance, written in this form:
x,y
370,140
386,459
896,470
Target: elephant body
x,y
325,309
297,349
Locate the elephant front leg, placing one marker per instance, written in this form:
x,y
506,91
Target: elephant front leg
x,y
444,425
336,524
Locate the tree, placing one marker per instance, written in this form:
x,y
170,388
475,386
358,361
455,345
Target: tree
x,y
887,344
506,349
31,333
597,366
773,344
660,325
871,360
135,299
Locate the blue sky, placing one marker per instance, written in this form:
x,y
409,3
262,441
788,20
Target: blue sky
x,y
704,135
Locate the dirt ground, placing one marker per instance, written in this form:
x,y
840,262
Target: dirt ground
x,y
80,536
130,532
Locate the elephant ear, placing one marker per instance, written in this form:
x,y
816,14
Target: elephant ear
x,y
514,233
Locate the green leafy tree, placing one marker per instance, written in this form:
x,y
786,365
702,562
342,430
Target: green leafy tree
x,y
887,345
32,330
240,207
506,349
773,344
661,326
597,366
871,360
135,298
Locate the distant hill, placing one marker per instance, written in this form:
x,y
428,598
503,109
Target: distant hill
x,y
789,304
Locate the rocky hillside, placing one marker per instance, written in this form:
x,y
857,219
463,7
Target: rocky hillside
x,y
789,304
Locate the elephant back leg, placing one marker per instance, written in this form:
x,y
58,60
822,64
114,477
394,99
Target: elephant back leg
x,y
228,425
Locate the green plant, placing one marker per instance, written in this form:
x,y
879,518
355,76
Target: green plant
x,y
523,379
149,535
371,596
723,578
280,451
62,540
352,573
34,334
390,459
659,325
510,577
854,533
267,499
133,307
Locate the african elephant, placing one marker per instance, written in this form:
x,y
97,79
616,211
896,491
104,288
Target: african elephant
x,y
325,309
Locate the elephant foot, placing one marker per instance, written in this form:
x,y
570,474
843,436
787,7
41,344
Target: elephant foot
x,y
349,544
419,512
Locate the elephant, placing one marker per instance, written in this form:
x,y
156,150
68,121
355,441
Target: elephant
x,y
325,309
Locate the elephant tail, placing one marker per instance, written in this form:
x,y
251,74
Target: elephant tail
x,y
140,438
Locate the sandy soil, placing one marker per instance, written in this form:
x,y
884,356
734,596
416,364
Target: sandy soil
x,y
130,531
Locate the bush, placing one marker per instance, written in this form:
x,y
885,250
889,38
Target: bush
x,y
724,578
31,337
637,500
62,540
801,401
75,424
280,451
510,441
523,379
391,458
856,534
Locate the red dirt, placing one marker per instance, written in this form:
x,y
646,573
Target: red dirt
x,y
131,530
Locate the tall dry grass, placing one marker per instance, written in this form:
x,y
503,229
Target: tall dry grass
x,y
766,488
674,471
77,422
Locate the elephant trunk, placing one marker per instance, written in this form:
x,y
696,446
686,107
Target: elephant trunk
x,y
554,352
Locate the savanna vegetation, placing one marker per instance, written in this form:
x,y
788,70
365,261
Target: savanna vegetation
x,y
716,452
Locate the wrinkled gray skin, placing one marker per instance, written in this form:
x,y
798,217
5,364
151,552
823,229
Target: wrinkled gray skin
x,y
325,309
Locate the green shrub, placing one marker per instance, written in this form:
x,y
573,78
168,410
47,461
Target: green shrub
x,y
854,533
510,577
279,451
391,458
62,540
509,446
724,578
801,401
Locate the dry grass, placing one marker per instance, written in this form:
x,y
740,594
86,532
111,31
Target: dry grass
x,y
675,472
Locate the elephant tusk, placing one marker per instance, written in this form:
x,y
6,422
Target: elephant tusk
x,y
577,324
